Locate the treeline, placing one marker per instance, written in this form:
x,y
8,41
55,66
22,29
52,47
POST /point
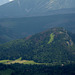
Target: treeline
x,y
20,69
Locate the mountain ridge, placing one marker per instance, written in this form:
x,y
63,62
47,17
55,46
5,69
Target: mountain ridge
x,y
25,8
22,27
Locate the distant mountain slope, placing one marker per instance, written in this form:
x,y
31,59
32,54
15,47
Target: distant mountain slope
x,y
6,34
53,45
3,2
22,8
22,27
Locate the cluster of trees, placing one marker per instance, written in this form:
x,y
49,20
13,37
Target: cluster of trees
x,y
20,69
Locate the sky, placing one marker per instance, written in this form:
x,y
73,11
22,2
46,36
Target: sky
x,y
4,1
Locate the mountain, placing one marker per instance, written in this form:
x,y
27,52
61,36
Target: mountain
x,y
6,34
3,2
53,45
16,28
23,8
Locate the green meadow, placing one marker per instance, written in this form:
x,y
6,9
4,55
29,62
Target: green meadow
x,y
51,38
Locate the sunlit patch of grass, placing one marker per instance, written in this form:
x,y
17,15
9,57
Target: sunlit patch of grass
x,y
51,38
30,62
19,60
5,61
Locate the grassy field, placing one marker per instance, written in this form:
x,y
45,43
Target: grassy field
x,y
18,61
51,38
31,62
21,62
5,61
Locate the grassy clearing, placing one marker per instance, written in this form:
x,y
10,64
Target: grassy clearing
x,y
18,61
30,62
22,62
5,61
51,38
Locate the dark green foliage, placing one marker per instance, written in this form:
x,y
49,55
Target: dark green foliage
x,y
20,69
36,47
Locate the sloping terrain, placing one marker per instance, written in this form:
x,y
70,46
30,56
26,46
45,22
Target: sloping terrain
x,y
6,34
22,27
53,45
23,8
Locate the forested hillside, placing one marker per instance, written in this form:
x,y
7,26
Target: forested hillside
x,y
53,45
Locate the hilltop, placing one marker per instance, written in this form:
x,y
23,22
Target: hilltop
x,y
15,28
53,45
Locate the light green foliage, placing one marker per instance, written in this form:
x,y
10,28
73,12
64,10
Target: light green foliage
x,y
51,38
18,61
19,58
4,61
30,62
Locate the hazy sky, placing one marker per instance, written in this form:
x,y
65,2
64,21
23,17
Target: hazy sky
x,y
4,1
